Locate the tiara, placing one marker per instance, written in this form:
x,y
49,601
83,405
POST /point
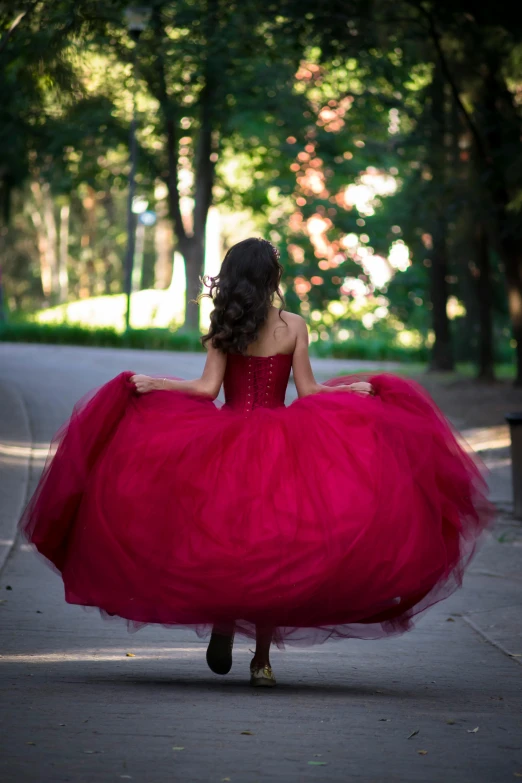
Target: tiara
x,y
276,252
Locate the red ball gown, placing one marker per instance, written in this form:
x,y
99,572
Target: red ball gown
x,y
337,516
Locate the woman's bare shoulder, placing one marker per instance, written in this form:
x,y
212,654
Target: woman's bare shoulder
x,y
290,318
296,322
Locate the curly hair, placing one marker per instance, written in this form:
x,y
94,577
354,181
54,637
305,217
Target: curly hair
x,y
242,294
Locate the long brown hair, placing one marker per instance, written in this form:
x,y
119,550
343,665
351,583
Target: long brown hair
x,y
242,293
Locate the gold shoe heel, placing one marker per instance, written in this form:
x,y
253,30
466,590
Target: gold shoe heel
x,y
262,677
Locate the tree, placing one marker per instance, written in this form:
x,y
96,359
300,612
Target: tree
x,y
222,84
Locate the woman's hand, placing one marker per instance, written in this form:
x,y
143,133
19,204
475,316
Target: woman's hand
x,y
360,387
145,383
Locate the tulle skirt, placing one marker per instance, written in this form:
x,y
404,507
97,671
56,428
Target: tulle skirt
x,y
338,516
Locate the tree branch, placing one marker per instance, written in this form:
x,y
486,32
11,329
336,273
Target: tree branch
x,y
14,24
203,165
436,38
162,95
172,178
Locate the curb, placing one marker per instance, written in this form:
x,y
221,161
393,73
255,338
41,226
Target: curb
x,y
15,465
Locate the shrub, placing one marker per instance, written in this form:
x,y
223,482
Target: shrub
x,y
376,348
67,334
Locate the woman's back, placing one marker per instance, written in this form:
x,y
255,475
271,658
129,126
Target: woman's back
x,y
278,335
256,381
259,379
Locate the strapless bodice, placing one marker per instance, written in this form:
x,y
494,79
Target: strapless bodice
x,y
256,381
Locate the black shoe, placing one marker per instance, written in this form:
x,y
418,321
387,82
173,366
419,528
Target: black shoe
x,y
219,652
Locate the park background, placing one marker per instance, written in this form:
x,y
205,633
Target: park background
x,y
376,144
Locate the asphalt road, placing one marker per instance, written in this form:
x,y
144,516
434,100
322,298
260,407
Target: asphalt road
x,y
441,704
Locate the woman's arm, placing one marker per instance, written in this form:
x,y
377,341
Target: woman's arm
x,y
207,386
304,376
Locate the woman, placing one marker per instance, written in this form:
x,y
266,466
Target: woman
x,y
343,515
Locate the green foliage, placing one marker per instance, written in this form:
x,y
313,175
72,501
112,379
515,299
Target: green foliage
x,y
145,339
295,103
374,348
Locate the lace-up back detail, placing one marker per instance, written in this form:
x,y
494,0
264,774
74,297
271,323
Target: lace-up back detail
x,y
256,381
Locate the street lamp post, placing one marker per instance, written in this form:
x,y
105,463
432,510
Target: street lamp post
x,y
137,19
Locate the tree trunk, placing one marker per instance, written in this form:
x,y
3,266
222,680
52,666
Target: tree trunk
x,y
42,216
501,128
164,246
442,353
88,242
193,251
511,254
486,367
3,313
63,256
191,243
139,252
52,236
496,133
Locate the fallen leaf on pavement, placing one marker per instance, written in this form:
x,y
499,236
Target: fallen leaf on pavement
x,y
422,752
450,620
517,774
130,655
30,743
178,747
318,763
450,722
516,655
473,731
225,780
385,719
247,732
413,734
8,587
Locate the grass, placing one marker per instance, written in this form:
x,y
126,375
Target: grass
x,y
150,308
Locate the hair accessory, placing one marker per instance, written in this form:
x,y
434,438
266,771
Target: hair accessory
x,y
275,250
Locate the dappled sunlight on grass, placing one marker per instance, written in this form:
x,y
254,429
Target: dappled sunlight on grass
x,y
149,308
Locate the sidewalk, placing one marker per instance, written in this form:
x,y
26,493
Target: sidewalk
x,y
441,704
15,455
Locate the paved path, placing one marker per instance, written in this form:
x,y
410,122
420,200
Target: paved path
x,y
75,708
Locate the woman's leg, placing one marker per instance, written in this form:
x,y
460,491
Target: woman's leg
x,y
263,641
260,670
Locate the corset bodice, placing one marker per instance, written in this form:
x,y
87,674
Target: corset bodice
x,y
256,381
